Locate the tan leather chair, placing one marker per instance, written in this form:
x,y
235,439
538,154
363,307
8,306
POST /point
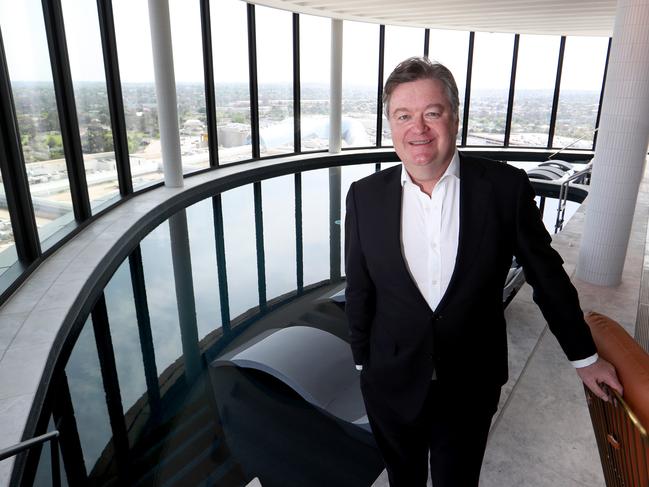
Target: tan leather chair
x,y
621,424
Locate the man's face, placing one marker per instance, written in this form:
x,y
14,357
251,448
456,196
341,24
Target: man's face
x,y
424,127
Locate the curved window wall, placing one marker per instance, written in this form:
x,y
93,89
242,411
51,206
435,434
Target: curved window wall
x,y
230,59
37,115
492,64
451,48
115,148
581,85
87,68
315,60
360,69
190,88
536,74
275,80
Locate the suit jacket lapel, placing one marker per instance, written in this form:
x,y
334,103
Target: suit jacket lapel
x,y
475,193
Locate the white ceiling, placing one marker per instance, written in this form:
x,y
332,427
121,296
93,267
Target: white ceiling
x,y
563,17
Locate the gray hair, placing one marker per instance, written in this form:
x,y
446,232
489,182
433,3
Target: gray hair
x,y
416,68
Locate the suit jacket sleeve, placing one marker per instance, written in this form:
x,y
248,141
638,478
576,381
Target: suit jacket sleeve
x,y
552,290
359,291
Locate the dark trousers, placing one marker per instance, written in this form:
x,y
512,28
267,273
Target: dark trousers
x,y
453,426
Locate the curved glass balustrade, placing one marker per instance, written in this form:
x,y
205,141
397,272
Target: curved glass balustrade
x,y
139,399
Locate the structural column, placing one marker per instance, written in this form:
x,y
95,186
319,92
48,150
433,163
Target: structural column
x,y
165,88
621,150
336,86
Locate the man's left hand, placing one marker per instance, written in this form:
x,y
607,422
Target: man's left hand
x,y
601,372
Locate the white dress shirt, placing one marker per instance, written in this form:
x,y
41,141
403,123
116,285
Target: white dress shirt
x,y
430,227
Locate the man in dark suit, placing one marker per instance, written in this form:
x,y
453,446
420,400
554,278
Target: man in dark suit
x,y
428,247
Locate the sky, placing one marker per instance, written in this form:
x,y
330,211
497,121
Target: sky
x,y
25,44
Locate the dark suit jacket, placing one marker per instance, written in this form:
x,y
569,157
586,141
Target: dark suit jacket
x,y
397,337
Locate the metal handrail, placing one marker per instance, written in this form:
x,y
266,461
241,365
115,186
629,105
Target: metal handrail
x,y
53,437
563,194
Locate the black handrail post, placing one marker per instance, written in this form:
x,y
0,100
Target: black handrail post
x,y
115,97
299,244
143,318
110,380
67,109
210,92
14,172
66,423
221,265
56,467
259,237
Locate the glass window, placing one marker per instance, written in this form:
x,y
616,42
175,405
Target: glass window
x,y
133,37
315,225
278,203
360,69
536,74
400,43
451,48
315,59
89,80
120,305
492,65
27,53
230,52
240,249
200,224
88,396
161,294
581,83
275,80
190,87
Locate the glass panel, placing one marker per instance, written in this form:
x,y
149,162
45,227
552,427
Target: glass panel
x,y
315,225
138,90
492,65
360,68
240,249
451,48
88,396
200,223
315,59
190,87
400,44
89,81
231,79
581,82
120,305
348,176
161,294
38,123
278,197
275,80
536,74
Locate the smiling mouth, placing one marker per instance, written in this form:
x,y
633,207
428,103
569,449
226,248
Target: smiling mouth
x,y
420,142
